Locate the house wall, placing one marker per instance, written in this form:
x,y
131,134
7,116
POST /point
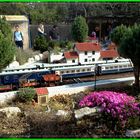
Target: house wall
x,y
89,56
102,59
54,57
70,60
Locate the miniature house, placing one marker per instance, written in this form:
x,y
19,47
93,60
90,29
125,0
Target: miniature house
x,y
42,96
71,57
108,54
90,52
84,53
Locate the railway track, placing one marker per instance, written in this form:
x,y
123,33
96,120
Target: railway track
x,y
101,77
91,79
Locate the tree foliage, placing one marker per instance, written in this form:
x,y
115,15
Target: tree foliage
x,y
6,44
79,29
117,34
66,12
127,39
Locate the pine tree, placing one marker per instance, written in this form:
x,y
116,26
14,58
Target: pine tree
x,y
6,44
79,29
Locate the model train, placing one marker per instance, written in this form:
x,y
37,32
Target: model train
x,y
43,76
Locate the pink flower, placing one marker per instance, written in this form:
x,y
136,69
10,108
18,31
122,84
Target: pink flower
x,y
114,104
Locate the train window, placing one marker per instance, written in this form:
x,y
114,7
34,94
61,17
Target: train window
x,y
77,70
67,71
111,67
115,67
88,69
73,71
62,72
93,59
83,69
120,66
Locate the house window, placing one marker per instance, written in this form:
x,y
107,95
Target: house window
x,y
93,52
73,61
86,53
93,59
85,60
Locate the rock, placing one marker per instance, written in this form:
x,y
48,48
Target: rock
x,y
10,111
30,60
86,111
133,133
37,58
41,56
62,113
14,64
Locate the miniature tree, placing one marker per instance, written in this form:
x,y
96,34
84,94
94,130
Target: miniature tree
x,y
127,40
40,44
6,44
79,29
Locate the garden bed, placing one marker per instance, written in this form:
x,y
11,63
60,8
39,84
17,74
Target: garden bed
x,y
37,122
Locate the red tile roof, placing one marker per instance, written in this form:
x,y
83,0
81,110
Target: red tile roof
x,y
88,46
41,91
109,54
69,55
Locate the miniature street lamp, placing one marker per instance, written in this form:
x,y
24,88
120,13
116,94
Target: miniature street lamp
x,y
95,72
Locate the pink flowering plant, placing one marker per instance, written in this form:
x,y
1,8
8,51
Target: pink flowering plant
x,y
115,107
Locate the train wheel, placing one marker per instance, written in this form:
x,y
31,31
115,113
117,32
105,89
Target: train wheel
x,y
15,87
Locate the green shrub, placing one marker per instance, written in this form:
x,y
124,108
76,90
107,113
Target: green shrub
x,y
41,44
67,45
26,94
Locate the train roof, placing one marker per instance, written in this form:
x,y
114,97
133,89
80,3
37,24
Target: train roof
x,y
24,71
34,66
46,66
90,66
